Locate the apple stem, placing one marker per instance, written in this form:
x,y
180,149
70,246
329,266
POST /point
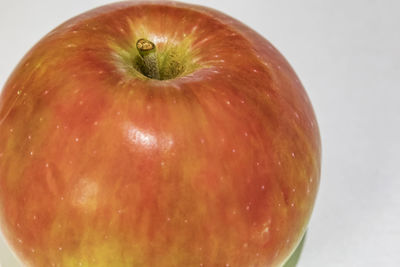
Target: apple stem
x,y
148,52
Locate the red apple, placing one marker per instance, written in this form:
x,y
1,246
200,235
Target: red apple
x,y
214,162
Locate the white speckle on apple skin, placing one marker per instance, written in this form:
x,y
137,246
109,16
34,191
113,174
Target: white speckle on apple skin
x,y
265,231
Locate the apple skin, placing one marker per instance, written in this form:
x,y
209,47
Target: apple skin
x,y
102,166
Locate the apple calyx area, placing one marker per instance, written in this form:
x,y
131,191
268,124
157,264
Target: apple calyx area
x,y
148,53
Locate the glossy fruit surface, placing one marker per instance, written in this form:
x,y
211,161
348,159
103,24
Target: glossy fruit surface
x,y
216,164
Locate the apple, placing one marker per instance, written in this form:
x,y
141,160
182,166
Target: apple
x,y
156,134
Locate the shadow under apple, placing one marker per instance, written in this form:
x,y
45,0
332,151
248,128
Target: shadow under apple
x,y
294,258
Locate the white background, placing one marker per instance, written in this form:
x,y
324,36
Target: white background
x,y
347,54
